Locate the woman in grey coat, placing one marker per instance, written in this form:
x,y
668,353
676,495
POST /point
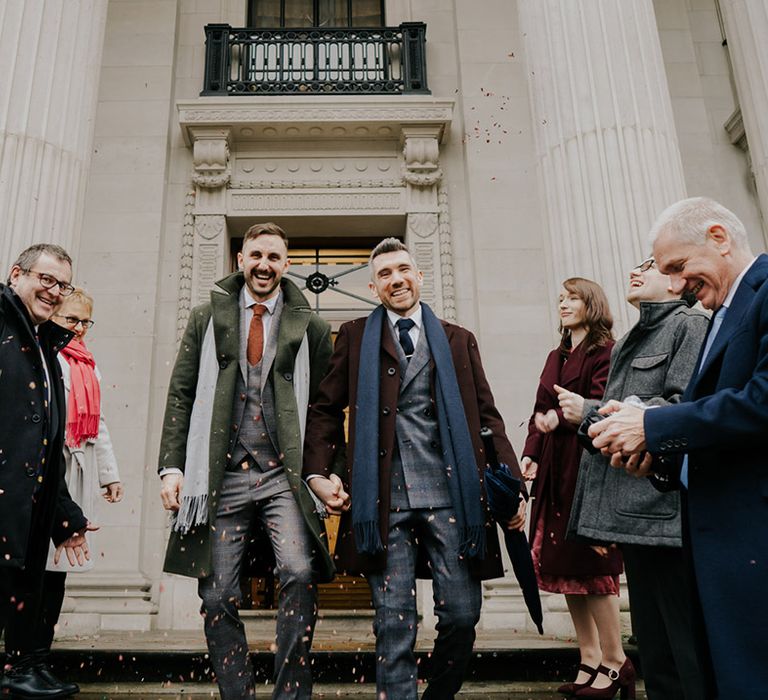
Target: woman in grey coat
x,y
653,361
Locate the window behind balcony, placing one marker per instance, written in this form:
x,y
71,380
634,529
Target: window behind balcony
x,y
315,13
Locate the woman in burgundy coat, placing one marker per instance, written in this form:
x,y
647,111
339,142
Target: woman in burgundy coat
x,y
589,577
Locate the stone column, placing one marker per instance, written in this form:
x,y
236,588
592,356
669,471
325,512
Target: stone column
x,y
746,27
50,57
607,152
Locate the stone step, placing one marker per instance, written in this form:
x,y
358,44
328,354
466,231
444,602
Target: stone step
x,y
366,691
179,667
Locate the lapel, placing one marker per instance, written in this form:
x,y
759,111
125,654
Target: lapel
x,y
420,358
293,321
225,312
388,339
271,349
570,367
734,317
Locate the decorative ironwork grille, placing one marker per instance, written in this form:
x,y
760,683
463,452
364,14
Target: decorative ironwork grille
x,y
384,60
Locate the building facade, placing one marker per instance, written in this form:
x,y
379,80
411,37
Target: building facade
x,y
510,143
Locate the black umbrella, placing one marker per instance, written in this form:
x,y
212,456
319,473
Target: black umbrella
x,y
503,491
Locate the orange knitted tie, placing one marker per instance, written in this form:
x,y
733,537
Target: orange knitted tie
x,y
256,336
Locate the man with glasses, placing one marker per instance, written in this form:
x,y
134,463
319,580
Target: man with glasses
x,y
653,361
34,502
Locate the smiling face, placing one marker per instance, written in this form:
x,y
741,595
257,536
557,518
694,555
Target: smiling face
x,y
648,285
71,315
705,270
263,260
396,281
572,310
41,303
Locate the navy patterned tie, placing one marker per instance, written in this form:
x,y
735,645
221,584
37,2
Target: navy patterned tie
x,y
403,326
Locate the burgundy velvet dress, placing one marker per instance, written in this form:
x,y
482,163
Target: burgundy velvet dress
x,y
566,566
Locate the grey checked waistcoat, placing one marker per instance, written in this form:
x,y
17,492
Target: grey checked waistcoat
x,y
253,409
418,467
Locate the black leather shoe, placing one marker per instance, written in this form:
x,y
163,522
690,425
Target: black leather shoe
x,y
26,684
44,671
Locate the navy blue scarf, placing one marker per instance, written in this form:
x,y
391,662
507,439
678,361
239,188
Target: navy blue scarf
x,y
459,455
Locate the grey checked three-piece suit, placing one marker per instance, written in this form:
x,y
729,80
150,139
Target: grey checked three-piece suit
x,y
421,516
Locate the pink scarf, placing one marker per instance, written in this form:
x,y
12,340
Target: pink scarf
x,y
84,404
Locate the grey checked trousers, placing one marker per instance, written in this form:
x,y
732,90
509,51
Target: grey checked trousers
x,y
245,496
457,597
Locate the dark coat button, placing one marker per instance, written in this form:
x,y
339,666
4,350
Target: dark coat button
x,y
242,397
36,418
382,453
288,377
223,364
29,471
385,411
391,371
428,412
434,444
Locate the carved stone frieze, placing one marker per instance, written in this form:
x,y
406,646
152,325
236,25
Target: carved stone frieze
x,y
305,184
325,201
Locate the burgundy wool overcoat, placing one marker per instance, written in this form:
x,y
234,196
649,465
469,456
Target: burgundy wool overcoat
x,y
325,436
558,455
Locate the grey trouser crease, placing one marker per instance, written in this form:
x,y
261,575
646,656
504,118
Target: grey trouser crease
x,y
246,496
457,596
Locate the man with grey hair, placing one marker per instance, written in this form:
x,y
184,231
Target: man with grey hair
x,y
717,434
417,398
34,502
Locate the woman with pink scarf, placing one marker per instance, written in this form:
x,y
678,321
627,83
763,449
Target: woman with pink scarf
x,y
90,459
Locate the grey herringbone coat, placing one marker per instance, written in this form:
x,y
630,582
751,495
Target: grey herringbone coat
x,y
654,361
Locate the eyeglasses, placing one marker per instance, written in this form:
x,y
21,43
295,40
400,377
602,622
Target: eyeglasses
x,y
646,265
74,321
48,282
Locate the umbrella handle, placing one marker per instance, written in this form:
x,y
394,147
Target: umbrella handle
x,y
491,458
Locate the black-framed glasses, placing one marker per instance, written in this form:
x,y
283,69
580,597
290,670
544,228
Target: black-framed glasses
x,y
49,282
74,321
646,265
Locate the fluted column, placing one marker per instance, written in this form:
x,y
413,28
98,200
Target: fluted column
x,y
50,56
746,26
607,152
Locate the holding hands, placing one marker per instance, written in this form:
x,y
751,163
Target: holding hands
x,y
330,490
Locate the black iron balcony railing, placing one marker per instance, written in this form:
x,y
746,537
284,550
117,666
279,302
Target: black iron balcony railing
x,y
387,60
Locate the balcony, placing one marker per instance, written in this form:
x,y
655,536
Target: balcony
x,y
316,61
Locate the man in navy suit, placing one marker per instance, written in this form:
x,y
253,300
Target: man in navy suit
x,y
719,435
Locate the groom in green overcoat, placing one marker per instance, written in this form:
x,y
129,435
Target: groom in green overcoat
x,y
230,459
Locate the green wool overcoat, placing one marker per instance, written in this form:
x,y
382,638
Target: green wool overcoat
x,y
190,554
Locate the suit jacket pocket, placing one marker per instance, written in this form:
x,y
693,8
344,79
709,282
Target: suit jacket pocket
x,y
637,498
647,376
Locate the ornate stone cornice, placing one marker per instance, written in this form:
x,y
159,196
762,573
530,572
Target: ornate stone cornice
x,y
315,117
